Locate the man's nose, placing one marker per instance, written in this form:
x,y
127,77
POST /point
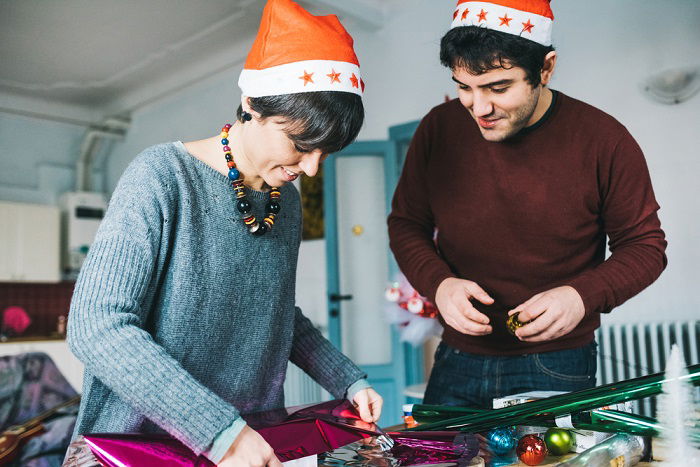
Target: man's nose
x,y
481,105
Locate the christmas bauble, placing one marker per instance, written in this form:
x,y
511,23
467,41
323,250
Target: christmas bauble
x,y
531,449
415,305
514,323
559,441
501,441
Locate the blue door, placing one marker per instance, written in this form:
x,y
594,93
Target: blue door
x,y
358,185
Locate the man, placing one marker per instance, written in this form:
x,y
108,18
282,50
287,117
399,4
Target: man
x,y
505,200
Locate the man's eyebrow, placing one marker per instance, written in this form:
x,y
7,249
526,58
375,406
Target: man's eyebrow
x,y
488,85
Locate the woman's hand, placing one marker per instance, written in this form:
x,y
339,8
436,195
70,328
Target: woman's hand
x,y
249,449
368,404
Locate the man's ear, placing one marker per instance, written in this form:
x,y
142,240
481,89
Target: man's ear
x,y
550,61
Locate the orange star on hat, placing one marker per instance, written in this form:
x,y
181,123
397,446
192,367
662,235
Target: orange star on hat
x,y
531,19
296,51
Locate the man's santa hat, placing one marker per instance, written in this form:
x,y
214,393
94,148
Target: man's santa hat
x,y
531,19
296,51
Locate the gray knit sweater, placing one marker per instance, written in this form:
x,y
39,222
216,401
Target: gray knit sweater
x,y
182,318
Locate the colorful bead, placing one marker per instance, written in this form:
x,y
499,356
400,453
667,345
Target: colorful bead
x,y
242,204
261,229
273,207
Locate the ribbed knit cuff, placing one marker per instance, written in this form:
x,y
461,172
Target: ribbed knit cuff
x,y
356,387
224,441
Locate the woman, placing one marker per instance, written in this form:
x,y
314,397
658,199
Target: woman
x,y
184,310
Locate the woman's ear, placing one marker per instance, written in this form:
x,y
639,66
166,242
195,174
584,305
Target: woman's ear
x,y
245,105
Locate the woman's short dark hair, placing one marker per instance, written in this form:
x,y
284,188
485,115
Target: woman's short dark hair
x,y
325,120
479,50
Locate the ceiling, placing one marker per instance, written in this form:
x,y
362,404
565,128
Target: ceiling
x,y
82,58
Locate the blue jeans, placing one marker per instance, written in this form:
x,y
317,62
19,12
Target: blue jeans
x,y
472,380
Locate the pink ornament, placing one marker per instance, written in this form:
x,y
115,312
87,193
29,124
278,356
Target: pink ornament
x,y
531,449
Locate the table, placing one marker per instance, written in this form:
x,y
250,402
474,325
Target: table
x,y
354,454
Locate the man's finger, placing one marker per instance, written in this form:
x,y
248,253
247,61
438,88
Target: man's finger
x,y
274,462
477,292
533,310
542,323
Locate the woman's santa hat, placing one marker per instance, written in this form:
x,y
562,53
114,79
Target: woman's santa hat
x,y
531,19
296,51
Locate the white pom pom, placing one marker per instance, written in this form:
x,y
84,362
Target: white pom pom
x,y
415,305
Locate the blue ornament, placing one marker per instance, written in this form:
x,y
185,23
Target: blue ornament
x,y
501,441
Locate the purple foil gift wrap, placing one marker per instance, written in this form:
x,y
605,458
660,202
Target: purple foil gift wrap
x,y
293,433
432,447
119,450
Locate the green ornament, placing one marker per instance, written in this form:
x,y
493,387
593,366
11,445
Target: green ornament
x,y
559,441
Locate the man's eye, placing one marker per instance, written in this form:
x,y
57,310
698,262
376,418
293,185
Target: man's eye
x,y
464,88
499,90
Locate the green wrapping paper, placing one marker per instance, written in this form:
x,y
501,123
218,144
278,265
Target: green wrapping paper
x,y
530,413
426,413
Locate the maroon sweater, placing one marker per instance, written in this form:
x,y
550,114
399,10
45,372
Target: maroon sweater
x,y
523,216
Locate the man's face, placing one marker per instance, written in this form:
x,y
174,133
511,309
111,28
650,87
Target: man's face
x,y
501,101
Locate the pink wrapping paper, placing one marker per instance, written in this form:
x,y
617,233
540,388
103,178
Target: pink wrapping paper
x,y
292,432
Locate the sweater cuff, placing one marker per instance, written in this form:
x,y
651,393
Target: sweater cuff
x,y
224,440
592,294
356,387
435,283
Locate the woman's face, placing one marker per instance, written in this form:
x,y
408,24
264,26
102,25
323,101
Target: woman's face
x,y
271,155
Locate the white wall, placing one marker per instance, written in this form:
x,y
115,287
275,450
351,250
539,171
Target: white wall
x,y
37,159
605,49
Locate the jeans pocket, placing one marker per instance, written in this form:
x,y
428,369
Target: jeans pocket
x,y
574,365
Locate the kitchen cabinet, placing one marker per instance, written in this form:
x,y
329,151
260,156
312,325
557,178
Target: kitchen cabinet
x,y
29,243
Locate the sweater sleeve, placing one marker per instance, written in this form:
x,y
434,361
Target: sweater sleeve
x,y
107,322
314,354
411,223
629,218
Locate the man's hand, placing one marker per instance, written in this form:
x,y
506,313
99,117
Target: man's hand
x,y
249,449
452,299
558,312
368,404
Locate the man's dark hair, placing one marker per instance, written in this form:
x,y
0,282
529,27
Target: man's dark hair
x,y
479,50
325,120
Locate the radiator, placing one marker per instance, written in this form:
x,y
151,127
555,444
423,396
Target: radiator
x,y
631,350
300,389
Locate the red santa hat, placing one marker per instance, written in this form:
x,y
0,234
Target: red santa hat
x,y
531,19
296,51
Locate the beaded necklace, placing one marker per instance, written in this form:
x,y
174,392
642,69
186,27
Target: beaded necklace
x,y
243,205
